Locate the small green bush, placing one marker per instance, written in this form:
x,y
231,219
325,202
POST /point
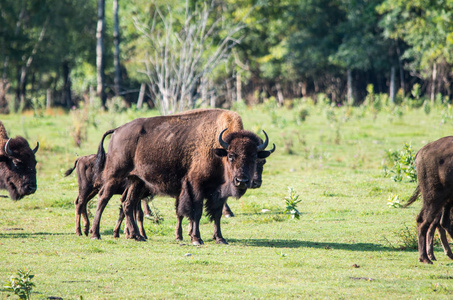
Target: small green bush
x,y
402,164
21,284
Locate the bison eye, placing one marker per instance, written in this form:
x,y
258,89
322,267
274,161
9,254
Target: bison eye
x,y
231,156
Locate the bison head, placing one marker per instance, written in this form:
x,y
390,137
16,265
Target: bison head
x,y
18,168
242,150
257,176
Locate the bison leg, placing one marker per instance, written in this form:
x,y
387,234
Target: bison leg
x,y
195,233
129,207
85,195
430,238
146,210
178,229
104,196
116,231
190,204
214,208
227,211
445,219
139,218
78,213
444,242
424,220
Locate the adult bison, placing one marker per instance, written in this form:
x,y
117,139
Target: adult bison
x,y
176,156
17,165
434,163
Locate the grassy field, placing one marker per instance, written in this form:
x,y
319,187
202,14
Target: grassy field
x,y
345,245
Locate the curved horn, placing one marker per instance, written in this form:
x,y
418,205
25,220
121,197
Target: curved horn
x,y
273,148
264,145
222,143
36,148
7,150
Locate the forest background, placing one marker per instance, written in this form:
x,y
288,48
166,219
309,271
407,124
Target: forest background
x,y
176,54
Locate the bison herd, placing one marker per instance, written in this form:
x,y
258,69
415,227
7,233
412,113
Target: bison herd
x,y
201,158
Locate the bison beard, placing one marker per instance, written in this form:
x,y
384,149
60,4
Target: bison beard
x,y
176,156
17,165
434,163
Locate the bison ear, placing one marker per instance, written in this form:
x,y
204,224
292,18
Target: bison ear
x,y
264,154
220,152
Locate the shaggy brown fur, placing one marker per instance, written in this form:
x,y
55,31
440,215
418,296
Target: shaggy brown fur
x,y
434,164
176,156
17,166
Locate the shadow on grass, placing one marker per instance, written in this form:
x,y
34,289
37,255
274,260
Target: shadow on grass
x,y
276,243
29,235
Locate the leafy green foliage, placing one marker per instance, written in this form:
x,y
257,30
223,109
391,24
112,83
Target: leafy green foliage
x,y
21,284
291,202
402,164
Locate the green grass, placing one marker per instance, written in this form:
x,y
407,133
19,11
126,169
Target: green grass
x,y
339,249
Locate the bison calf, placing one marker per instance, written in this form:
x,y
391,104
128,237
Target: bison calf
x,y
89,185
17,165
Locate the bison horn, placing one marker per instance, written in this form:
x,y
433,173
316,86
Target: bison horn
x,y
36,148
264,145
222,143
7,150
273,148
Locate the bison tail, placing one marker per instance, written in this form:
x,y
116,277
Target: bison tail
x,y
414,197
70,170
100,156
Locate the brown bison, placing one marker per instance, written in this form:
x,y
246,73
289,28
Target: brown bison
x,y
89,185
17,165
434,163
176,156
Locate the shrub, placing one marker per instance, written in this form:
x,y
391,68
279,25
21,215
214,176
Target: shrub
x,y
291,203
21,284
402,163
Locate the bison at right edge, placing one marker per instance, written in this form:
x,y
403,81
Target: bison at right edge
x,y
434,163
17,165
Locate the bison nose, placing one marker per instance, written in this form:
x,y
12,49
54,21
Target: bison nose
x,y
241,183
30,189
256,184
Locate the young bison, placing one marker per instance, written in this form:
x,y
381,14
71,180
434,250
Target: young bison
x,y
89,186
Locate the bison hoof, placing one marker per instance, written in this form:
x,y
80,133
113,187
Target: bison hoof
x,y
221,241
116,235
450,255
94,237
425,261
197,242
138,238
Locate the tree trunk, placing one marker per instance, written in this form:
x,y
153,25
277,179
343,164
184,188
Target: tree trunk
x,y
392,84
238,87
433,84
400,63
350,91
141,96
100,63
67,98
116,42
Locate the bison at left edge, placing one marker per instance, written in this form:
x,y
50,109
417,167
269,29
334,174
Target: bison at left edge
x,y
17,165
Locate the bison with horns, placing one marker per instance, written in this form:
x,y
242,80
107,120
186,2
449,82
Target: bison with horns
x,y
176,156
17,165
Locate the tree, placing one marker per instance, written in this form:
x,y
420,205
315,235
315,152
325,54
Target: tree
x,y
426,27
185,45
116,41
100,56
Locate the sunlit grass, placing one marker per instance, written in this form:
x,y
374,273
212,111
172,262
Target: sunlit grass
x,y
339,248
